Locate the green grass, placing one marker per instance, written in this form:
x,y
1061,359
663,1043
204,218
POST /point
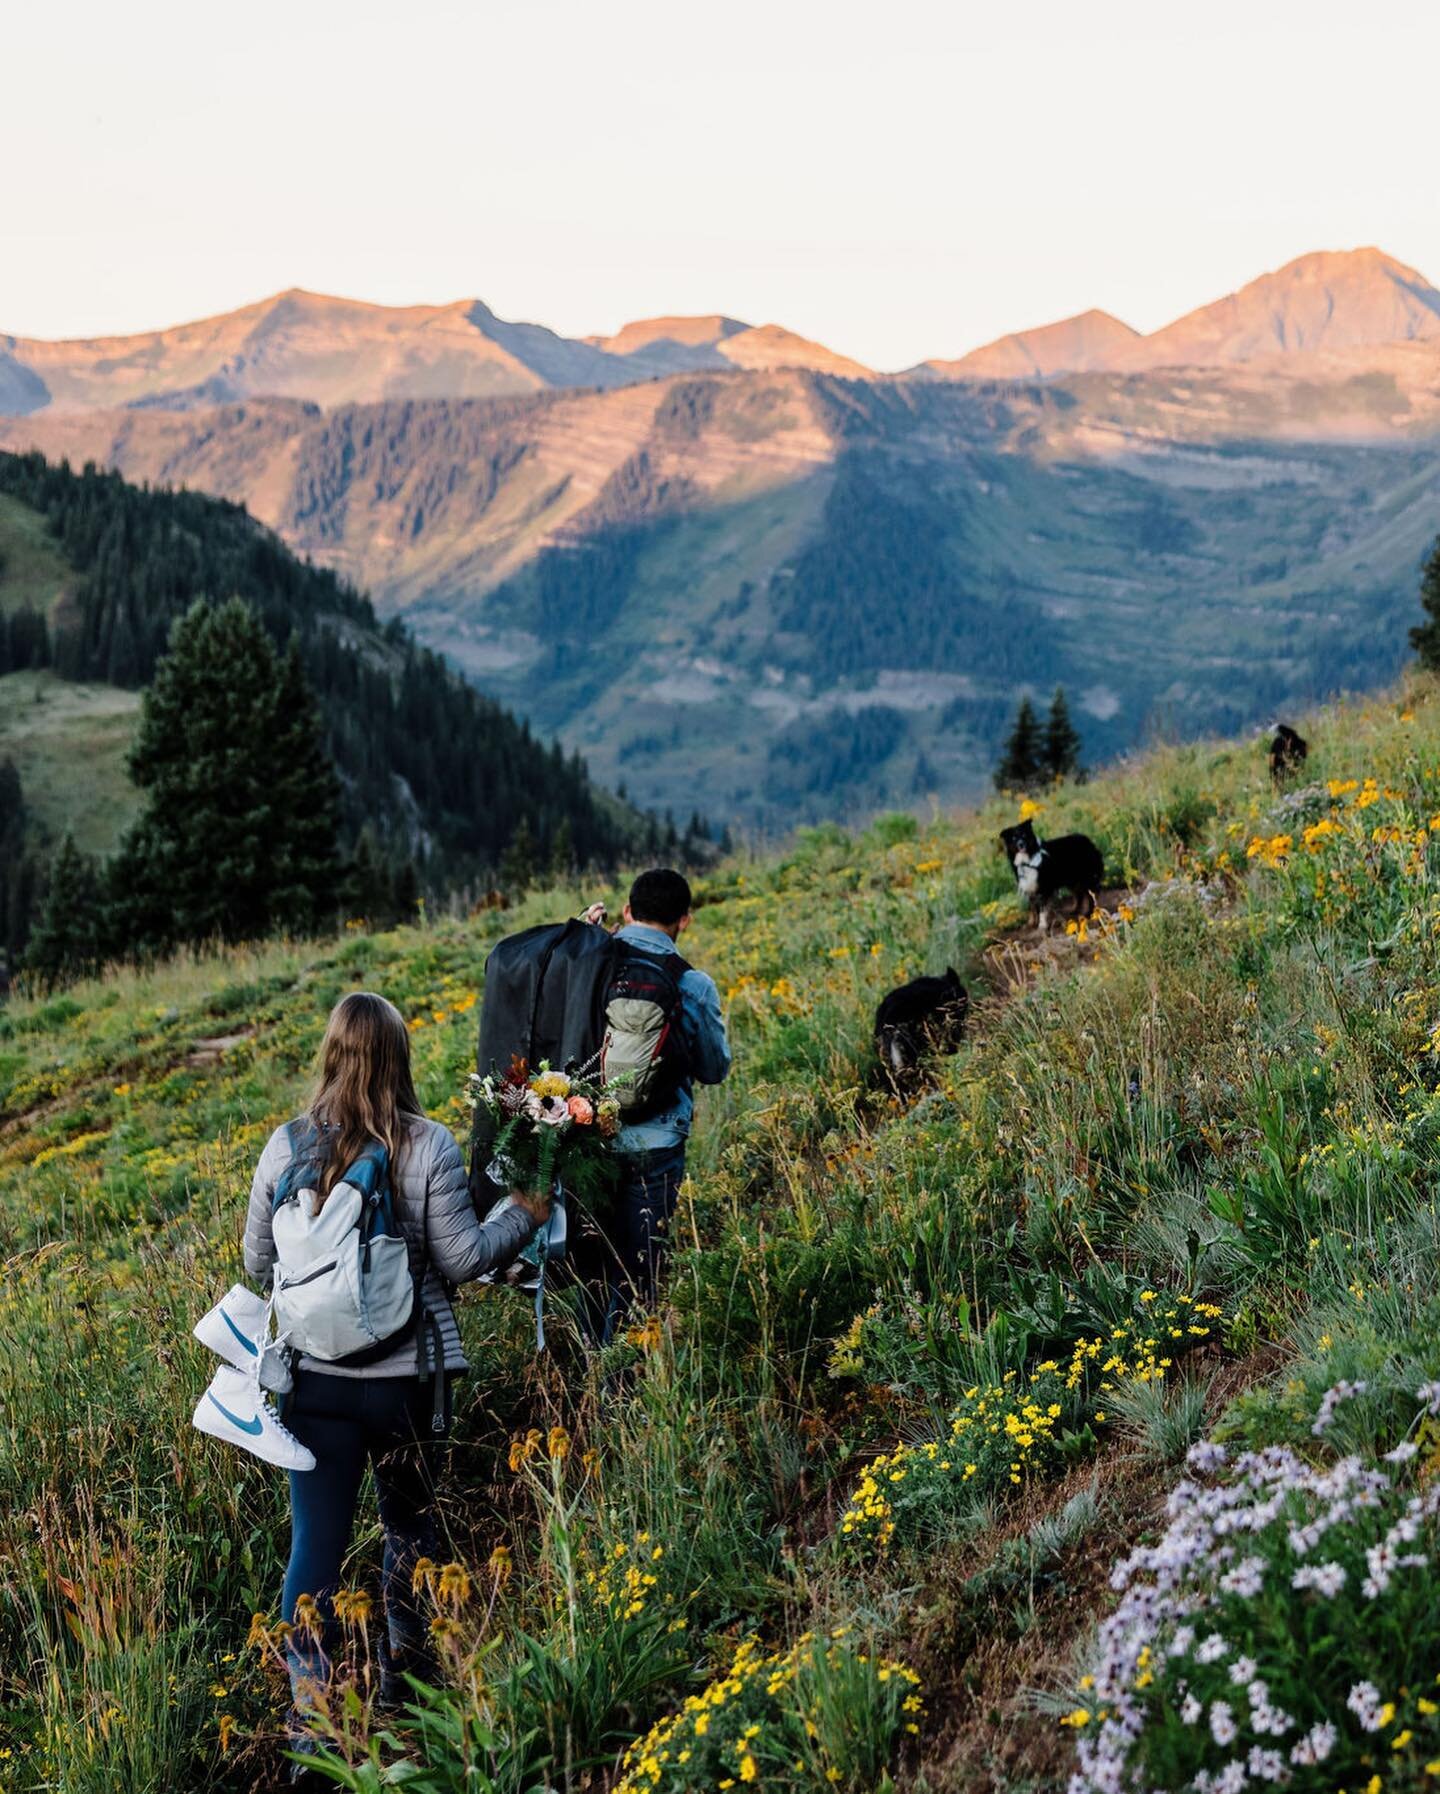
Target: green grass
x,y
69,744
68,741
1226,1096
33,571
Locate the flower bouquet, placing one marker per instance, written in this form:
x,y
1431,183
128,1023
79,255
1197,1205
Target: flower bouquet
x,y
544,1130
548,1128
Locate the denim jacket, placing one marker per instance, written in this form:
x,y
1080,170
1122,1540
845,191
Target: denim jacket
x,y
704,1029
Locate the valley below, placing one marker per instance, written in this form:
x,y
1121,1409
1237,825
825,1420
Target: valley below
x,y
781,595
744,574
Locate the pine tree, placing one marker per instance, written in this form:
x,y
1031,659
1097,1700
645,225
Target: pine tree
x,y
1060,750
306,793
17,870
562,853
237,839
1425,638
368,888
517,863
68,940
405,892
1020,769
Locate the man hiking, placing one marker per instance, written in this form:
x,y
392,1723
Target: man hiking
x,y
652,1151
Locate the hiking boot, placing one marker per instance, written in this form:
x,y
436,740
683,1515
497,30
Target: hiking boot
x,y
234,1330
301,1773
394,1693
234,1409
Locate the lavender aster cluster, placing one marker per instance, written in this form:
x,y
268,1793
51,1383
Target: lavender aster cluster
x,y
1203,1658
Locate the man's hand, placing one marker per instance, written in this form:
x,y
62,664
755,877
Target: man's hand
x,y
595,915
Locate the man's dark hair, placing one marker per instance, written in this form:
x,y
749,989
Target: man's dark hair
x,y
662,895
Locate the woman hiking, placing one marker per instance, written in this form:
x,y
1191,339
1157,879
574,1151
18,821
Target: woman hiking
x,y
365,1128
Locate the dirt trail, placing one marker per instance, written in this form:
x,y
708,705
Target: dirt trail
x,y
994,1643
212,1049
1015,960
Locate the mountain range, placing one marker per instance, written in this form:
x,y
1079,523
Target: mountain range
x,y
341,351
1332,300
738,570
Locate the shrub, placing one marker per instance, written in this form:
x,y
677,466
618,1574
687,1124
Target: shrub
x,y
999,1433
823,1715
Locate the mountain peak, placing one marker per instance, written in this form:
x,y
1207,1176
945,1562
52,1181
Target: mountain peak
x,y
1330,299
1323,261
769,346
702,332
1073,346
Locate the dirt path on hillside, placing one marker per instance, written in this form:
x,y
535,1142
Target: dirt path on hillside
x,y
1020,955
997,1642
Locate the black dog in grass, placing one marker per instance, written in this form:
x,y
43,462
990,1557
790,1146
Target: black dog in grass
x,y
1287,753
927,1015
1043,869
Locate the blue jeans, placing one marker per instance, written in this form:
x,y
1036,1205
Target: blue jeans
x,y
622,1265
348,1422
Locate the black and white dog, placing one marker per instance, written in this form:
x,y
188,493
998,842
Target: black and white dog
x,y
1287,753
927,1015
1045,868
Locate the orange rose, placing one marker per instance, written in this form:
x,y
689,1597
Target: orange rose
x,y
582,1110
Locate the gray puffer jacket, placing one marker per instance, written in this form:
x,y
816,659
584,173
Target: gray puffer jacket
x,y
432,1203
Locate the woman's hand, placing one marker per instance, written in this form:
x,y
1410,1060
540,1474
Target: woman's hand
x,y
595,915
536,1204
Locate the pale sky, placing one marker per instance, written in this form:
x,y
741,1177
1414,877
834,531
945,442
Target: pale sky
x,y
896,178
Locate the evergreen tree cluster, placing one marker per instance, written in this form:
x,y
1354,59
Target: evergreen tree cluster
x,y
24,640
438,773
1425,637
19,874
1039,754
887,571
238,836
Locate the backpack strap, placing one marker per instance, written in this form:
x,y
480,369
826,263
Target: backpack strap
x,y
301,1137
429,1321
672,962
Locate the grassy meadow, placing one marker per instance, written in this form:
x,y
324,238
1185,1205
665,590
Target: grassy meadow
x,y
49,727
844,1515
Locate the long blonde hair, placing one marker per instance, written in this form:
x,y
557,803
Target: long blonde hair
x,y
366,1090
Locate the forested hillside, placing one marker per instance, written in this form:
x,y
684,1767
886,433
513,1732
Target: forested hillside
x,y
435,776
731,564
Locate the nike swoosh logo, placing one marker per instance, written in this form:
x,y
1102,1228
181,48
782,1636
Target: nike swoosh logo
x,y
254,1427
248,1344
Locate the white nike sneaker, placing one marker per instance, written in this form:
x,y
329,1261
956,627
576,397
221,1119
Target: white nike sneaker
x,y
233,1330
232,1408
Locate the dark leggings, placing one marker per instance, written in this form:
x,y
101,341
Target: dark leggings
x,y
348,1422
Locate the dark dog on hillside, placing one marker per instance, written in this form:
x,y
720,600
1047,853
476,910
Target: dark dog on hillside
x,y
927,1015
1287,753
1043,869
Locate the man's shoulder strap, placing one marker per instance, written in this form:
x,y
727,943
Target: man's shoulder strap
x,y
673,963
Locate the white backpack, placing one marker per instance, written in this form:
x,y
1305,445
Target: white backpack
x,y
343,1288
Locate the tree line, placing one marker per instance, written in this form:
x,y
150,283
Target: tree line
x,y
439,773
413,782
239,837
